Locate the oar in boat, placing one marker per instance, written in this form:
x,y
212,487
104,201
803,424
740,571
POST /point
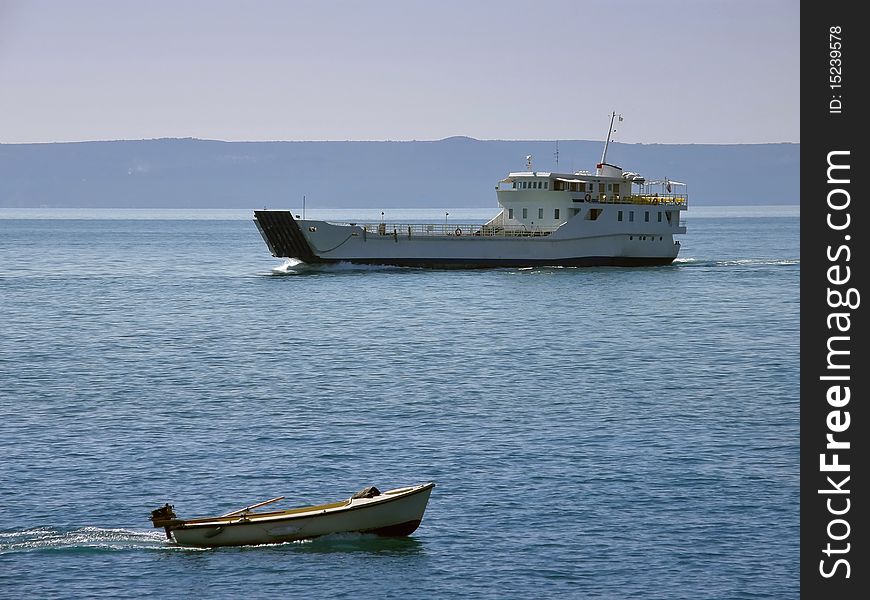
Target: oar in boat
x,y
251,507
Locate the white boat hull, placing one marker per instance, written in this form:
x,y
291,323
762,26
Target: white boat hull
x,y
573,244
392,513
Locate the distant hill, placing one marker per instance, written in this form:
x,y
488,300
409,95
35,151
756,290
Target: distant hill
x,y
454,172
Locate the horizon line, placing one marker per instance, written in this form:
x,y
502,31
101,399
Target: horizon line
x,y
394,141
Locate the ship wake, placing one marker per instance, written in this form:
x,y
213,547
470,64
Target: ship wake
x,y
742,262
292,266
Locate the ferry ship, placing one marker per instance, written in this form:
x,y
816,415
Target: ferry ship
x,y
609,217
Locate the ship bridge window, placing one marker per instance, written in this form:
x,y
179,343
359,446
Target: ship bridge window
x,y
631,216
546,185
569,185
524,185
555,213
646,217
525,213
593,213
660,216
619,216
510,213
540,213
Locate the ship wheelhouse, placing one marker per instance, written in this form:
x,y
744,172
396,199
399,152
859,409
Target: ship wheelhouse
x,y
539,202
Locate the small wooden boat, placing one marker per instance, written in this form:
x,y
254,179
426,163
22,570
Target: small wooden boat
x,y
396,512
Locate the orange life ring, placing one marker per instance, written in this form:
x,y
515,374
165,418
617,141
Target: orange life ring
x,y
458,232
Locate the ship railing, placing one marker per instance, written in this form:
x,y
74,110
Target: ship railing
x,y
663,199
452,230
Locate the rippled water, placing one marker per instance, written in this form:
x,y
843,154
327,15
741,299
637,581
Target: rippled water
x,y
592,432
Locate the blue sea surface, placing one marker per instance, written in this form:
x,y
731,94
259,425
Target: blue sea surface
x,y
593,432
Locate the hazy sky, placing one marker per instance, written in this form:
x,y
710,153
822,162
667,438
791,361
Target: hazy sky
x,y
680,71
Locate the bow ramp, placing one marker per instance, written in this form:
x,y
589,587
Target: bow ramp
x,y
282,235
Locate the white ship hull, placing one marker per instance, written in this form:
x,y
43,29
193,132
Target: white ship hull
x,y
577,242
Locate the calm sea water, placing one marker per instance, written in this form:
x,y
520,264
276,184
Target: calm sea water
x,y
593,433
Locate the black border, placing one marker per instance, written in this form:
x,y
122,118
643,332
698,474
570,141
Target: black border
x,y
823,132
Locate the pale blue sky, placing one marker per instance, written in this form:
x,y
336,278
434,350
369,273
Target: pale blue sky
x,y
680,71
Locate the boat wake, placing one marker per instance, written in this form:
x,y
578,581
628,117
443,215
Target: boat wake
x,y
291,266
742,262
82,539
98,539
288,267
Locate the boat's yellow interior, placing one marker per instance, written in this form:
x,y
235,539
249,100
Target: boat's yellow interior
x,y
236,518
255,516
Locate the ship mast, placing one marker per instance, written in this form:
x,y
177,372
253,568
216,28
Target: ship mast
x,y
609,132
